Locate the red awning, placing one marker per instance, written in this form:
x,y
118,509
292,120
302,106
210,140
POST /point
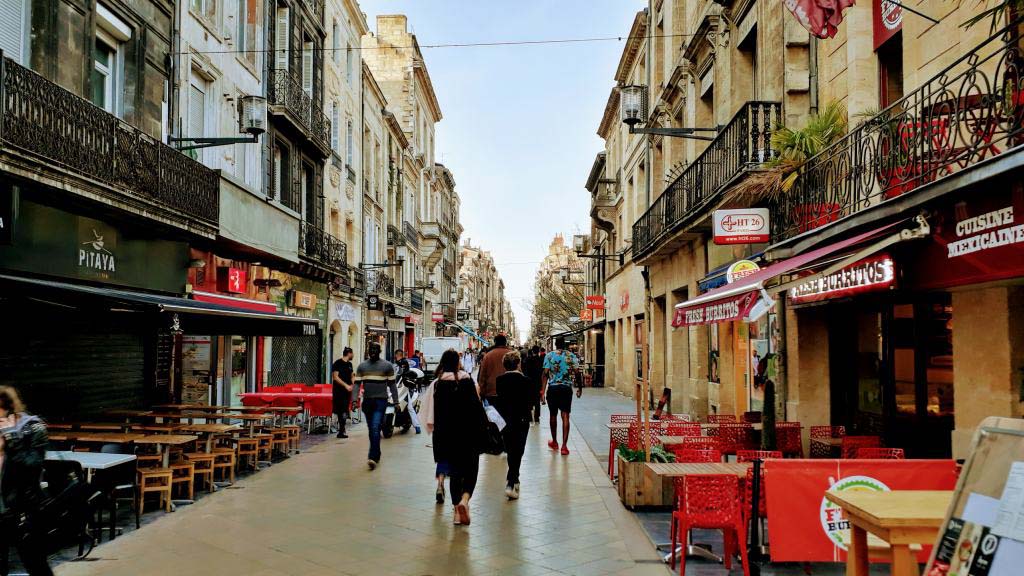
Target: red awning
x,y
235,302
734,301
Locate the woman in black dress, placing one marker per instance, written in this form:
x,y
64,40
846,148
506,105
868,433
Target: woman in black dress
x,y
459,425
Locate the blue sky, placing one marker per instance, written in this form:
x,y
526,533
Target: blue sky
x,y
520,122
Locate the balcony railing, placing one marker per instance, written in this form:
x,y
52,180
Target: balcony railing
x,y
286,91
380,282
44,120
744,143
323,248
969,112
410,234
395,236
416,300
358,282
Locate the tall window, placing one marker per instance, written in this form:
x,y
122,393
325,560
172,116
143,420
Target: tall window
x,y
106,73
282,177
307,67
281,36
335,128
348,143
197,110
890,70
349,57
336,42
205,8
14,26
248,13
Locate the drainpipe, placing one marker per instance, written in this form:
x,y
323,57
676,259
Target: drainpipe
x,y
812,73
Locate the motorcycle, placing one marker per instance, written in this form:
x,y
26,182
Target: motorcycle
x,y
397,415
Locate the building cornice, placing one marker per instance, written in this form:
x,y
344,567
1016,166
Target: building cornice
x,y
596,171
611,113
636,39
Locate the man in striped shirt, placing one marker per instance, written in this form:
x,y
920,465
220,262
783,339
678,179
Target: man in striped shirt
x,y
377,377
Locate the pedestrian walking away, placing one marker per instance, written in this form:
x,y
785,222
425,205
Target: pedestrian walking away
x,y
559,367
23,443
469,361
492,366
377,376
341,389
533,367
516,394
427,418
459,425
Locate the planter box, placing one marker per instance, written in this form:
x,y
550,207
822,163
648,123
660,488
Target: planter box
x,y
638,486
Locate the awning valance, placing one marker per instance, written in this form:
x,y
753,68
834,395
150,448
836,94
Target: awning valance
x,y
195,317
735,301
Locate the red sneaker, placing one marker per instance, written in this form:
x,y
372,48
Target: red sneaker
x,y
565,451
553,445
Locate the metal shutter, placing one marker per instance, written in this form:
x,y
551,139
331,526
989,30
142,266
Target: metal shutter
x,y
281,40
12,30
196,112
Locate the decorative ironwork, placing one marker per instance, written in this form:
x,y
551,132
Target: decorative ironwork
x,y
286,91
970,111
411,237
323,248
395,236
41,118
384,284
744,143
416,300
358,282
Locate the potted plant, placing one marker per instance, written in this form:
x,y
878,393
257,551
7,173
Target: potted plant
x,y
638,486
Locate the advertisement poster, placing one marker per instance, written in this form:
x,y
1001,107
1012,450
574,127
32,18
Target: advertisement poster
x,y
809,528
195,369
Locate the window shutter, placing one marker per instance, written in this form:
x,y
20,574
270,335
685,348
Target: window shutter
x,y
276,188
196,110
348,143
307,67
335,128
12,30
281,40
336,42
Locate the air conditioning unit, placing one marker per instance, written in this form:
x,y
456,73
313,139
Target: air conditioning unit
x,y
252,115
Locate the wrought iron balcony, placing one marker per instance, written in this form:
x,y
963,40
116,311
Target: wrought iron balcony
x,y
358,282
53,127
969,112
395,236
411,237
416,300
287,98
380,282
743,144
323,248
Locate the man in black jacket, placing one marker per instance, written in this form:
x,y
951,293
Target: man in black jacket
x,y
514,401
533,367
22,453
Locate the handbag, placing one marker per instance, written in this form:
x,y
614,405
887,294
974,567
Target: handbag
x,y
494,444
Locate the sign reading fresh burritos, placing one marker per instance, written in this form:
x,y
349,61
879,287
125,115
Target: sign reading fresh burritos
x,y
868,275
721,310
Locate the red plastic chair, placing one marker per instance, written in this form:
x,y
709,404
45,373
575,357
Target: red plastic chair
x,y
655,429
700,443
752,417
851,444
710,501
751,455
616,438
722,419
694,455
874,452
318,408
748,495
820,437
678,428
734,437
788,439
677,417
622,418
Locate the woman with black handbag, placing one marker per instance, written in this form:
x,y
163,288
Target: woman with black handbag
x,y
22,454
460,431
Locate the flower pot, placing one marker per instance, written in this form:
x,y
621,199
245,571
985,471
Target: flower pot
x,y
640,487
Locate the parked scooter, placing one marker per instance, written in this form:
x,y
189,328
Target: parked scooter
x,y
397,415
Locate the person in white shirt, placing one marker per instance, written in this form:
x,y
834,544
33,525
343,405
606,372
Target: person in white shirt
x,y
469,360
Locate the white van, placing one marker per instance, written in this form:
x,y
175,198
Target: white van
x,y
434,347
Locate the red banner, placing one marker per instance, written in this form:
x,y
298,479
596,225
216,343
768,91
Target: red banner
x,y
819,17
887,20
808,528
721,310
596,302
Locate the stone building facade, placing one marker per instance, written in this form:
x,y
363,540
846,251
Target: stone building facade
x,y
481,296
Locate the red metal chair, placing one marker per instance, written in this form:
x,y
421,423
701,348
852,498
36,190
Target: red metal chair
x,y
679,428
689,455
751,455
752,417
655,429
734,437
622,418
788,439
700,443
821,437
722,419
874,452
748,495
710,501
851,444
678,417
318,408
616,438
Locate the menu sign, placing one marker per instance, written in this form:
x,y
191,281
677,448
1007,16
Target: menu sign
x,y
870,274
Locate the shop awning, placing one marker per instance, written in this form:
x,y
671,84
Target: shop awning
x,y
194,317
471,333
735,301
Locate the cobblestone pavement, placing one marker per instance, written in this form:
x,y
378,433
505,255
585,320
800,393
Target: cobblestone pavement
x,y
323,512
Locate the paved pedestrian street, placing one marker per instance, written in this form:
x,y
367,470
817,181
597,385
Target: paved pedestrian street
x,y
323,512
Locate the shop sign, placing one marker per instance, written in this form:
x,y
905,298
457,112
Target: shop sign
x,y
743,226
624,301
811,527
304,300
8,208
870,274
373,302
231,280
346,313
96,245
595,302
740,269
587,315
375,317
412,319
722,310
462,315
437,317
887,20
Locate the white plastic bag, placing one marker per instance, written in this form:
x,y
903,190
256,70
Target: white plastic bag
x,y
493,416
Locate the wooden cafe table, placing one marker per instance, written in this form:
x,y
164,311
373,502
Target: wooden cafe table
x,y
164,442
95,437
209,432
900,517
195,407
